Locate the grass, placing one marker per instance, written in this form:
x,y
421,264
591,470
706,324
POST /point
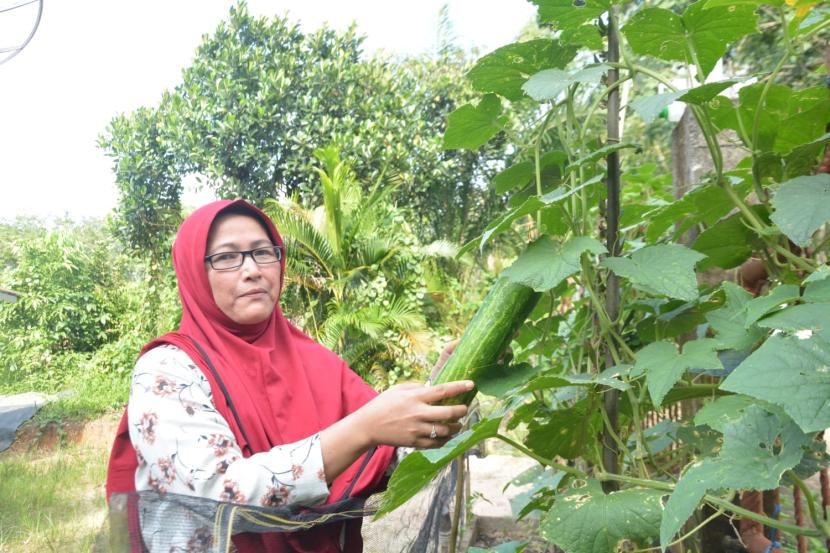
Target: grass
x,y
51,500
85,394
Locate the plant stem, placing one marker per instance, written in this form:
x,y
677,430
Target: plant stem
x,y
459,496
818,522
685,536
538,166
612,217
756,124
595,105
547,462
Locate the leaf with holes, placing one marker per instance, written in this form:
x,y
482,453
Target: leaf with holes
x,y
708,32
586,520
758,447
505,70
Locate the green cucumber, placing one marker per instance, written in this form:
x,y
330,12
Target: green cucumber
x,y
488,335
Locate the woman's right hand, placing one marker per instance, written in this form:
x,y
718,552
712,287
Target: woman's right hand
x,y
403,415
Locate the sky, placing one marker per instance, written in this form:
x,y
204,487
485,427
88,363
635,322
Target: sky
x,y
92,59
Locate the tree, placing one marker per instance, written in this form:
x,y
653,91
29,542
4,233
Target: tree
x,y
261,95
354,273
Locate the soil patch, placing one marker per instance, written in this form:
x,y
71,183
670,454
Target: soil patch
x,y
97,434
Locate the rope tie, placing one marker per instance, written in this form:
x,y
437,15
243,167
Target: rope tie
x,y
773,532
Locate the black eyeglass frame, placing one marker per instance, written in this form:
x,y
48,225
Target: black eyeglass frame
x,y
277,249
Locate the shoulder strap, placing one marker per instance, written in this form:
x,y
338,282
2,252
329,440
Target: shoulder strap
x,y
224,390
225,393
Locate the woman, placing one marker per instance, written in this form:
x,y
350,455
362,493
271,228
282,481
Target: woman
x,y
240,406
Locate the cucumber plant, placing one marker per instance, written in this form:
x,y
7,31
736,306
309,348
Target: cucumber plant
x,y
626,325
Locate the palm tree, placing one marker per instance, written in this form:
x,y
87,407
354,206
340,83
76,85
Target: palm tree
x,y
355,268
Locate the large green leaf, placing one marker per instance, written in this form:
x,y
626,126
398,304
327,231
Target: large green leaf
x,y
586,520
788,120
505,70
664,365
497,380
549,83
817,291
530,205
723,410
420,467
790,372
726,244
664,269
567,14
705,204
546,263
802,206
563,433
760,306
757,448
807,316
471,126
661,33
729,322
523,173
649,107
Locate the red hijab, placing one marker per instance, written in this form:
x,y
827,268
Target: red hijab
x,y
284,386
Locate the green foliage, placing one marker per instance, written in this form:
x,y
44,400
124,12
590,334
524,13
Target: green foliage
x,y
586,520
354,274
619,337
261,95
535,269
84,312
666,269
757,449
62,282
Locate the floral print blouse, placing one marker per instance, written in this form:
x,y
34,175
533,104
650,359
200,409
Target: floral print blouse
x,y
185,446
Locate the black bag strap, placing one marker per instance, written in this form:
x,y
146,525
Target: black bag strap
x,y
224,390
215,373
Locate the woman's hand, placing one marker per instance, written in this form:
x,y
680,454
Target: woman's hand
x,y
403,415
400,416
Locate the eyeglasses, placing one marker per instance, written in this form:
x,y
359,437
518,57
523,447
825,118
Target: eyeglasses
x,y
225,261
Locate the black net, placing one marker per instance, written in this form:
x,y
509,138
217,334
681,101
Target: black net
x,y
151,522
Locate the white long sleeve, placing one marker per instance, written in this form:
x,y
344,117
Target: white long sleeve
x,y
186,447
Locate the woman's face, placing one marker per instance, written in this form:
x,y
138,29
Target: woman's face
x,y
248,294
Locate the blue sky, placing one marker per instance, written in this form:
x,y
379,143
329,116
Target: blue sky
x,y
92,59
